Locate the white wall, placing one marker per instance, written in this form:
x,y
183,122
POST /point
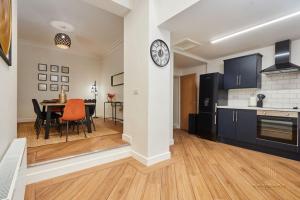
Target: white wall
x,y
110,65
281,90
8,90
136,76
148,88
83,72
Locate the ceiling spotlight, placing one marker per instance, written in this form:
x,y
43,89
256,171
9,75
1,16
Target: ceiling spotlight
x,y
62,41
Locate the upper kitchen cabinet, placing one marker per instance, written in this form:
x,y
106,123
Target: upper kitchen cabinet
x,y
243,72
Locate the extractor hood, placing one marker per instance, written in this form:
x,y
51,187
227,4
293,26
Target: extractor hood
x,y
282,59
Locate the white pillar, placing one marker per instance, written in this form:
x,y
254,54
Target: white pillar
x,y
148,88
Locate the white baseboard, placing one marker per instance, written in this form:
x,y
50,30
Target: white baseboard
x,y
148,161
22,120
171,141
53,169
177,126
126,138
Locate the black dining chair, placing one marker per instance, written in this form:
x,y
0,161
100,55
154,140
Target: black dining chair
x,y
41,118
92,109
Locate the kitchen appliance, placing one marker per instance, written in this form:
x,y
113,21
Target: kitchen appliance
x,y
252,101
282,59
211,94
278,129
260,97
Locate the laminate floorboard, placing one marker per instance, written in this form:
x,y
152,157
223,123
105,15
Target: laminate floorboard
x,y
198,169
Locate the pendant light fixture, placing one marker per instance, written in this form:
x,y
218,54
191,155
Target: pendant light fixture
x,y
62,41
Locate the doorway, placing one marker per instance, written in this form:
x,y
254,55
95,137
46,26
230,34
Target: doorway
x,y
188,99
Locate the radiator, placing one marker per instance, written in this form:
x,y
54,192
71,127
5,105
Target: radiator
x,y
12,169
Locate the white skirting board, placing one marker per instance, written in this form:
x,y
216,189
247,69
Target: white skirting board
x,y
126,138
61,167
148,161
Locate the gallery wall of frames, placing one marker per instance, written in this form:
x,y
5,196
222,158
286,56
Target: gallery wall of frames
x,y
53,78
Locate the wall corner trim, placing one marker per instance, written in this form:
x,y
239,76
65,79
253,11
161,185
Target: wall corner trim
x,y
171,142
148,161
127,138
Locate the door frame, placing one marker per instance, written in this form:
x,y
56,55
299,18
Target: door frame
x,y
177,125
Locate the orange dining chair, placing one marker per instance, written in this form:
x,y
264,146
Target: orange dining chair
x,y
74,111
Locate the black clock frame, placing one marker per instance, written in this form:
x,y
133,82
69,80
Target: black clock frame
x,y
152,56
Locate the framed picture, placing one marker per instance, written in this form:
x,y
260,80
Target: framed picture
x,y
117,79
42,77
6,31
65,88
64,70
54,68
54,78
65,79
53,87
42,67
42,87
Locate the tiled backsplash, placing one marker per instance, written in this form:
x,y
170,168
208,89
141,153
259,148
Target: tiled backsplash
x,y
281,90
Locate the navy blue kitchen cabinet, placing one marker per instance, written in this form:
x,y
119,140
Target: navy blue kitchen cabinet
x,y
246,126
237,125
243,72
226,124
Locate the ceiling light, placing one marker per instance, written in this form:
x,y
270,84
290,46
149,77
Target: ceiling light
x,y
62,41
255,27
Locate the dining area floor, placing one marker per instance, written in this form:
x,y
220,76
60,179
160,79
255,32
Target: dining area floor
x,y
107,135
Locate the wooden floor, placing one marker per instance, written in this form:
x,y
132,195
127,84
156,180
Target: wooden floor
x,y
102,129
85,145
199,169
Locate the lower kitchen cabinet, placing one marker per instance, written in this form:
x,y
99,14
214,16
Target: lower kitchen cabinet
x,y
246,126
237,125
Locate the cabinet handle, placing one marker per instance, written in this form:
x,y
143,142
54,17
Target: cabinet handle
x,y
233,116
215,119
236,116
237,79
240,79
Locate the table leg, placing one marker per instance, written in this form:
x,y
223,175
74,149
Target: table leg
x,y
112,112
104,111
88,119
48,121
115,113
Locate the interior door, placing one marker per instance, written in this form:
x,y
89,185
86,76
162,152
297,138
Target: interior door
x,y
188,99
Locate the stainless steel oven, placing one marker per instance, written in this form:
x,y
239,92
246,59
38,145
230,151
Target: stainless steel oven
x,y
278,126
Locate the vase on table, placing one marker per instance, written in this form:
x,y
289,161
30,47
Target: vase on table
x,y
110,97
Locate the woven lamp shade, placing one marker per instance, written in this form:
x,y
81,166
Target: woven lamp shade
x,y
62,41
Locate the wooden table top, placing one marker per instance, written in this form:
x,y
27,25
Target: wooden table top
x,y
62,104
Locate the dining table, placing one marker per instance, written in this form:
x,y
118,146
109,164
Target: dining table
x,y
51,106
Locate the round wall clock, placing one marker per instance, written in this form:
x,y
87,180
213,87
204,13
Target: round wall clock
x,y
160,53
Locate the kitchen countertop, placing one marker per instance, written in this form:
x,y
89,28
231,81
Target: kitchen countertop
x,y
258,108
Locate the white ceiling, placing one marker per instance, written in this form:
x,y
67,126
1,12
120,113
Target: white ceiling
x,y
211,19
96,31
182,61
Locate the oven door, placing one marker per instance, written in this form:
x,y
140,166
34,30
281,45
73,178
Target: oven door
x,y
278,129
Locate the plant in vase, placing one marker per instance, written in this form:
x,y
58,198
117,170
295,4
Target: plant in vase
x,y
110,97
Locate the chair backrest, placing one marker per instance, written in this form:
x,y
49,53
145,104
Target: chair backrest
x,y
74,110
36,107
